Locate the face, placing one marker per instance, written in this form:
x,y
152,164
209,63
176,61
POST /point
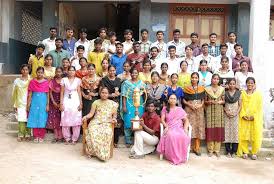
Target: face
x,y
98,46
113,39
128,36
232,85
213,39
112,72
71,72
160,36
184,66
40,51
203,67
91,70
40,74
172,100
244,66
58,44
172,52
147,66
215,80
119,48
223,50
65,63
239,50
189,51
83,35
176,36
151,107
58,73
164,68
48,61
154,53
224,63
136,48
194,39
104,94
134,74
205,49
250,84
194,79
232,37
83,62
25,71
144,35
126,67
69,33
80,52
174,79
154,78
103,34
53,33
105,64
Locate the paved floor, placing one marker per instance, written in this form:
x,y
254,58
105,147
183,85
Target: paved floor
x,y
29,163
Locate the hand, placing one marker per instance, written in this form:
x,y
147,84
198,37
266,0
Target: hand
x,y
166,130
142,122
47,108
114,121
30,60
245,118
80,107
125,109
251,118
84,118
91,94
55,105
61,108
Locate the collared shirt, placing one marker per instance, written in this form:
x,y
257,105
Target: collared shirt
x,y
157,62
196,49
162,49
105,45
74,60
59,56
237,60
49,45
191,64
118,62
69,45
111,47
136,60
145,46
173,65
218,62
128,46
230,50
214,50
96,58
211,62
152,122
180,47
85,43
241,79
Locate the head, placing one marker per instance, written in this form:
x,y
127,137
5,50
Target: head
x,y
194,37
203,65
128,34
164,67
59,43
238,49
58,72
172,51
144,34
155,77
80,50
91,69
213,38
160,35
232,37
136,47
134,73
69,32
223,49
174,78
98,44
176,34
205,48
71,71
83,62
154,52
150,106
250,83
83,33
183,66
105,62
40,72
215,79
194,78
126,66
112,37
102,32
119,47
244,66
48,60
189,50
172,100
104,93
232,84
147,65
40,49
52,32
225,62
24,69
111,71
65,63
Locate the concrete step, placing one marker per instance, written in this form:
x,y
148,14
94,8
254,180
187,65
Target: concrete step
x,y
268,143
12,126
268,133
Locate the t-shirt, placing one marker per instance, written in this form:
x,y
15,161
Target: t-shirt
x,y
118,62
96,58
152,122
136,60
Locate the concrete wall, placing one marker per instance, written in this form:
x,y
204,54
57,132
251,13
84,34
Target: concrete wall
x,y
243,25
49,19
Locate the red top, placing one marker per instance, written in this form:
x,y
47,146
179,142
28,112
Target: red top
x,y
136,60
153,122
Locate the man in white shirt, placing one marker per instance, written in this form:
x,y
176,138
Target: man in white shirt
x,y
180,46
190,59
205,55
74,60
223,51
128,43
82,41
230,44
172,61
144,42
155,60
160,44
105,42
50,42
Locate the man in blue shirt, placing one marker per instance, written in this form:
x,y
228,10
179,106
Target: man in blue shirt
x,y
69,41
118,58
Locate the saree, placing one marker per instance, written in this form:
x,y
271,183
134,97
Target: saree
x,y
80,74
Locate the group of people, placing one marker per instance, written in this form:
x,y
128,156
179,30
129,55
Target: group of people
x,y
209,88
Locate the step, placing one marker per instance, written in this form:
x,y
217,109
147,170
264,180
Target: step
x,y
268,133
268,143
12,126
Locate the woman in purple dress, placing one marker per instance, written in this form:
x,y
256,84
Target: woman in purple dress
x,y
175,141
54,114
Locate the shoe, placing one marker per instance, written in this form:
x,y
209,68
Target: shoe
x,y
233,155
19,139
27,139
229,155
218,155
198,153
136,156
67,142
254,157
245,156
210,154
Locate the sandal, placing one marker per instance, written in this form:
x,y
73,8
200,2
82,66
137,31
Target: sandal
x,y
41,140
245,156
73,142
210,154
254,157
36,140
54,141
229,155
218,155
27,139
19,139
67,142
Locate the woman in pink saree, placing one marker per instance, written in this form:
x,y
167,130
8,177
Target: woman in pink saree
x,y
175,141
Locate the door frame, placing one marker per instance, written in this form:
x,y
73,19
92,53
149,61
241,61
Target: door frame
x,y
174,9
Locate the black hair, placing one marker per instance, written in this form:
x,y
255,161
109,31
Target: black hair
x,y
59,68
164,64
154,47
59,39
223,45
150,101
83,30
243,61
205,44
23,66
154,73
176,31
184,61
171,47
211,34
128,31
69,28
102,29
40,68
146,61
168,106
51,28
238,45
194,34
83,59
231,79
136,43
126,62
111,34
203,61
231,32
72,67
119,43
224,57
133,69
41,46
80,47
65,59
111,66
195,73
160,32
189,46
48,55
91,65
102,88
250,78
98,41
144,30
214,75
174,74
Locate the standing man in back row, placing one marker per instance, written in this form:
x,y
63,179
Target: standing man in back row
x,y
144,42
180,46
160,44
105,42
49,43
69,41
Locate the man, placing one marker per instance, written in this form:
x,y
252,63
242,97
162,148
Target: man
x,y
128,41
223,51
160,44
180,46
74,60
69,41
194,37
97,55
190,59
232,38
213,48
172,61
82,41
155,60
136,59
240,57
118,58
205,55
145,140
49,43
105,42
36,60
144,42
59,53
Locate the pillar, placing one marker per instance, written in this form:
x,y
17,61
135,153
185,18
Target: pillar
x,y
243,25
145,16
49,17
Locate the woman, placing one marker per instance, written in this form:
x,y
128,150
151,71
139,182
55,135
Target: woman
x,y
174,143
204,75
184,76
128,109
251,121
145,76
126,74
83,71
49,69
54,115
231,117
242,75
89,88
105,65
19,99
38,105
155,91
113,84
71,107
214,101
224,72
99,134
194,107
164,77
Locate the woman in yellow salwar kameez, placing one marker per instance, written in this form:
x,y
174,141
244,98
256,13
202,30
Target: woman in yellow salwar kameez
x,y
251,121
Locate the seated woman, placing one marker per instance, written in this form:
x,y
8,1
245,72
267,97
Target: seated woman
x,y
175,141
99,135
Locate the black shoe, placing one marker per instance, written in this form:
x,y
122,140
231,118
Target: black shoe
x,y
198,153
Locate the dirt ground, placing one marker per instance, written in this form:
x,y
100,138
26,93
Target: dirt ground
x,y
46,163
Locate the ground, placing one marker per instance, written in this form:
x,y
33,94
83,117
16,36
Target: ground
x,y
46,163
